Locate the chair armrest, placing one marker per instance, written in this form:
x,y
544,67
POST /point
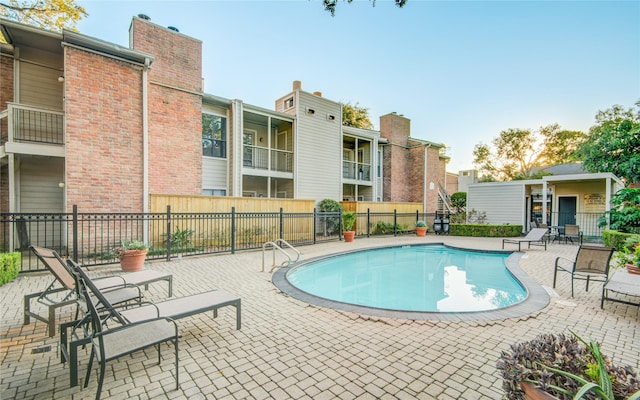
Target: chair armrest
x,y
558,259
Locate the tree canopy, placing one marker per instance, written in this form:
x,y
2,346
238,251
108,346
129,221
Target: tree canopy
x,y
356,116
330,5
53,15
518,153
613,144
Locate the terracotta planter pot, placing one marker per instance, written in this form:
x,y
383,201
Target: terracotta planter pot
x,y
421,230
531,392
349,235
632,269
133,260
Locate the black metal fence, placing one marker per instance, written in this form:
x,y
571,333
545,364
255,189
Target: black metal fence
x,y
90,238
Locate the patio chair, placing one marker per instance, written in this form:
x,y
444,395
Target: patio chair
x,y
175,308
591,264
622,283
117,291
108,344
535,237
572,232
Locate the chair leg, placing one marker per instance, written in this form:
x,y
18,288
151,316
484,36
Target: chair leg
x,y
100,379
86,379
571,285
587,289
175,345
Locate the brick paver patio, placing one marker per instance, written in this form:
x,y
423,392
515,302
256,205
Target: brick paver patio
x,y
288,349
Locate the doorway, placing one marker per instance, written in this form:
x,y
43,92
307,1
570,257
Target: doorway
x,y
567,210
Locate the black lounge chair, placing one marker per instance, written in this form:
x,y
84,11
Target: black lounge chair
x,y
536,237
591,264
62,290
175,308
111,343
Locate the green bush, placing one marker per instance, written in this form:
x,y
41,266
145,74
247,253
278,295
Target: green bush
x,y
9,266
484,230
617,239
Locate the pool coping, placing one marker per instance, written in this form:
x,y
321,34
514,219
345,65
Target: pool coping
x,y
537,297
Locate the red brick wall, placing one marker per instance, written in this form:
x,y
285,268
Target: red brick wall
x,y
175,108
396,162
103,105
404,165
6,95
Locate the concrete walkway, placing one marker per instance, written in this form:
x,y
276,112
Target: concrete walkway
x,y
288,349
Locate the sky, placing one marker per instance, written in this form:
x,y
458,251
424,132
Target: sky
x,y
461,71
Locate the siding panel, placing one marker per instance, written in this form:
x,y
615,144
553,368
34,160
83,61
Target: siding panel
x,y
503,204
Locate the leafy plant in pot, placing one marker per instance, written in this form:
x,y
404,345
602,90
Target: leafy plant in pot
x,y
421,228
131,254
348,221
633,265
564,367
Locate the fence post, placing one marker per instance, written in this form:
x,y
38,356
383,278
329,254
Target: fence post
x,y
75,233
368,222
233,230
315,217
168,232
281,224
395,222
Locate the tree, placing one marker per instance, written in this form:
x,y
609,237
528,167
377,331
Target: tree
x,y
613,144
519,153
53,15
330,5
356,116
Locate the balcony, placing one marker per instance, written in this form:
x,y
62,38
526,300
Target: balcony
x,y
25,124
257,157
356,170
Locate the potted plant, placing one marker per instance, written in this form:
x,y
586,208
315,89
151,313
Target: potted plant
x,y
421,228
633,262
131,254
564,367
348,220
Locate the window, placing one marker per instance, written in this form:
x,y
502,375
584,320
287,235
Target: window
x,y
214,136
288,103
214,192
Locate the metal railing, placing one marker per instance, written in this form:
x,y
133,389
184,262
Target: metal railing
x,y
31,124
90,238
264,158
356,170
588,222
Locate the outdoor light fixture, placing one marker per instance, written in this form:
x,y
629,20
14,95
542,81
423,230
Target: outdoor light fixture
x,y
61,79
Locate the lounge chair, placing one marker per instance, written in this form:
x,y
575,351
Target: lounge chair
x,y
591,264
535,237
128,338
623,283
175,308
117,289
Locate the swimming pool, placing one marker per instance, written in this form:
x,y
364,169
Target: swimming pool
x,y
415,281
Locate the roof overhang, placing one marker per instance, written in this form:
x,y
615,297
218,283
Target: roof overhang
x,y
18,34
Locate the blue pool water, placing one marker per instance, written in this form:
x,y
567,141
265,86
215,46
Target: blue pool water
x,y
432,278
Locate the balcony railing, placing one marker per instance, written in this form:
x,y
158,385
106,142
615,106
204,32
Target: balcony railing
x,y
355,170
258,157
22,123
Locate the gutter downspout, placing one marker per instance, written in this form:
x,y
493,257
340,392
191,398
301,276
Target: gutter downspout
x,y
145,145
424,183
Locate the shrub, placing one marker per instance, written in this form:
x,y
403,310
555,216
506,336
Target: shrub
x,y
618,240
484,230
625,216
9,266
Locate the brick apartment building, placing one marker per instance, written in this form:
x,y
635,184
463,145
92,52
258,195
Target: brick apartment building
x,y
90,123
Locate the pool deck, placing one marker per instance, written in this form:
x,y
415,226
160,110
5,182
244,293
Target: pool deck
x,y
288,349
